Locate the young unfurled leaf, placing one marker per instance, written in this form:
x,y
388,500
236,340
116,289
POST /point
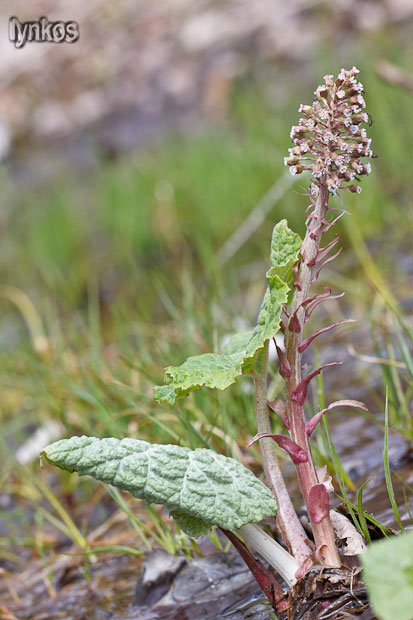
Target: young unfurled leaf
x,y
199,487
388,574
221,370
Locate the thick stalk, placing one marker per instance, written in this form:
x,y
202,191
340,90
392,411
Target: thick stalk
x,y
288,523
271,587
323,531
270,550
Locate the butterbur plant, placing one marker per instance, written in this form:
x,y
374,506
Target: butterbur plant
x,y
202,489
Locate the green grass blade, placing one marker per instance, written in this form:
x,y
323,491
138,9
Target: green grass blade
x,y
387,473
360,512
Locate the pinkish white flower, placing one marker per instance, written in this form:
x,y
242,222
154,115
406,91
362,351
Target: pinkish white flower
x,y
321,91
329,138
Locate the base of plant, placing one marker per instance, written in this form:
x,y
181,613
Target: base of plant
x,y
326,592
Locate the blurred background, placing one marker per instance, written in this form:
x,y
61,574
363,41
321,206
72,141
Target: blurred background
x,y
141,175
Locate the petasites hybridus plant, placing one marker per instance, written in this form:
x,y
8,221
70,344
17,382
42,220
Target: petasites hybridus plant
x,y
202,489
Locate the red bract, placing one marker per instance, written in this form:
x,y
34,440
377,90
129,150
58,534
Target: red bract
x,y
297,454
305,343
318,505
299,394
310,426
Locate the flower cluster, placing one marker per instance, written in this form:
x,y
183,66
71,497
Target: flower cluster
x,y
329,141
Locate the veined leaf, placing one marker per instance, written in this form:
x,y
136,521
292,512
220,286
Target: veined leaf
x,y
221,370
270,314
237,344
199,487
285,248
166,393
388,574
209,369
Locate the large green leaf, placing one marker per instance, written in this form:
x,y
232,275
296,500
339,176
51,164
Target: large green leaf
x,y
388,574
221,370
199,487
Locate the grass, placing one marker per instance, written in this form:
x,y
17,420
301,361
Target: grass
x,y
110,276
387,473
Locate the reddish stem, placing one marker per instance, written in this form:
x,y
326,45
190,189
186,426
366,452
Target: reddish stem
x,y
290,527
322,530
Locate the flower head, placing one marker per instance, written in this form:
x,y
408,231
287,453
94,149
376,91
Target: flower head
x,y
329,141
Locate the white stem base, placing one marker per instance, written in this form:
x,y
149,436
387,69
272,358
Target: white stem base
x,y
271,551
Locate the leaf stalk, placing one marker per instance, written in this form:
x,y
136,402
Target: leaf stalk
x,y
287,520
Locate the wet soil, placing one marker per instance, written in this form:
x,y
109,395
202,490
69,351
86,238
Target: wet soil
x,y
328,593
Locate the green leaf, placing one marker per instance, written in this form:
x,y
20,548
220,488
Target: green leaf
x,y
221,370
388,574
190,525
237,344
200,487
209,369
166,393
285,248
270,313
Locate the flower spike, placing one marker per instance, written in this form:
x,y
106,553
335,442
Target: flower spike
x,y
328,138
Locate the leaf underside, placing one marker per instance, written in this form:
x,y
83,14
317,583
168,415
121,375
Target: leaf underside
x,y
221,370
200,488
